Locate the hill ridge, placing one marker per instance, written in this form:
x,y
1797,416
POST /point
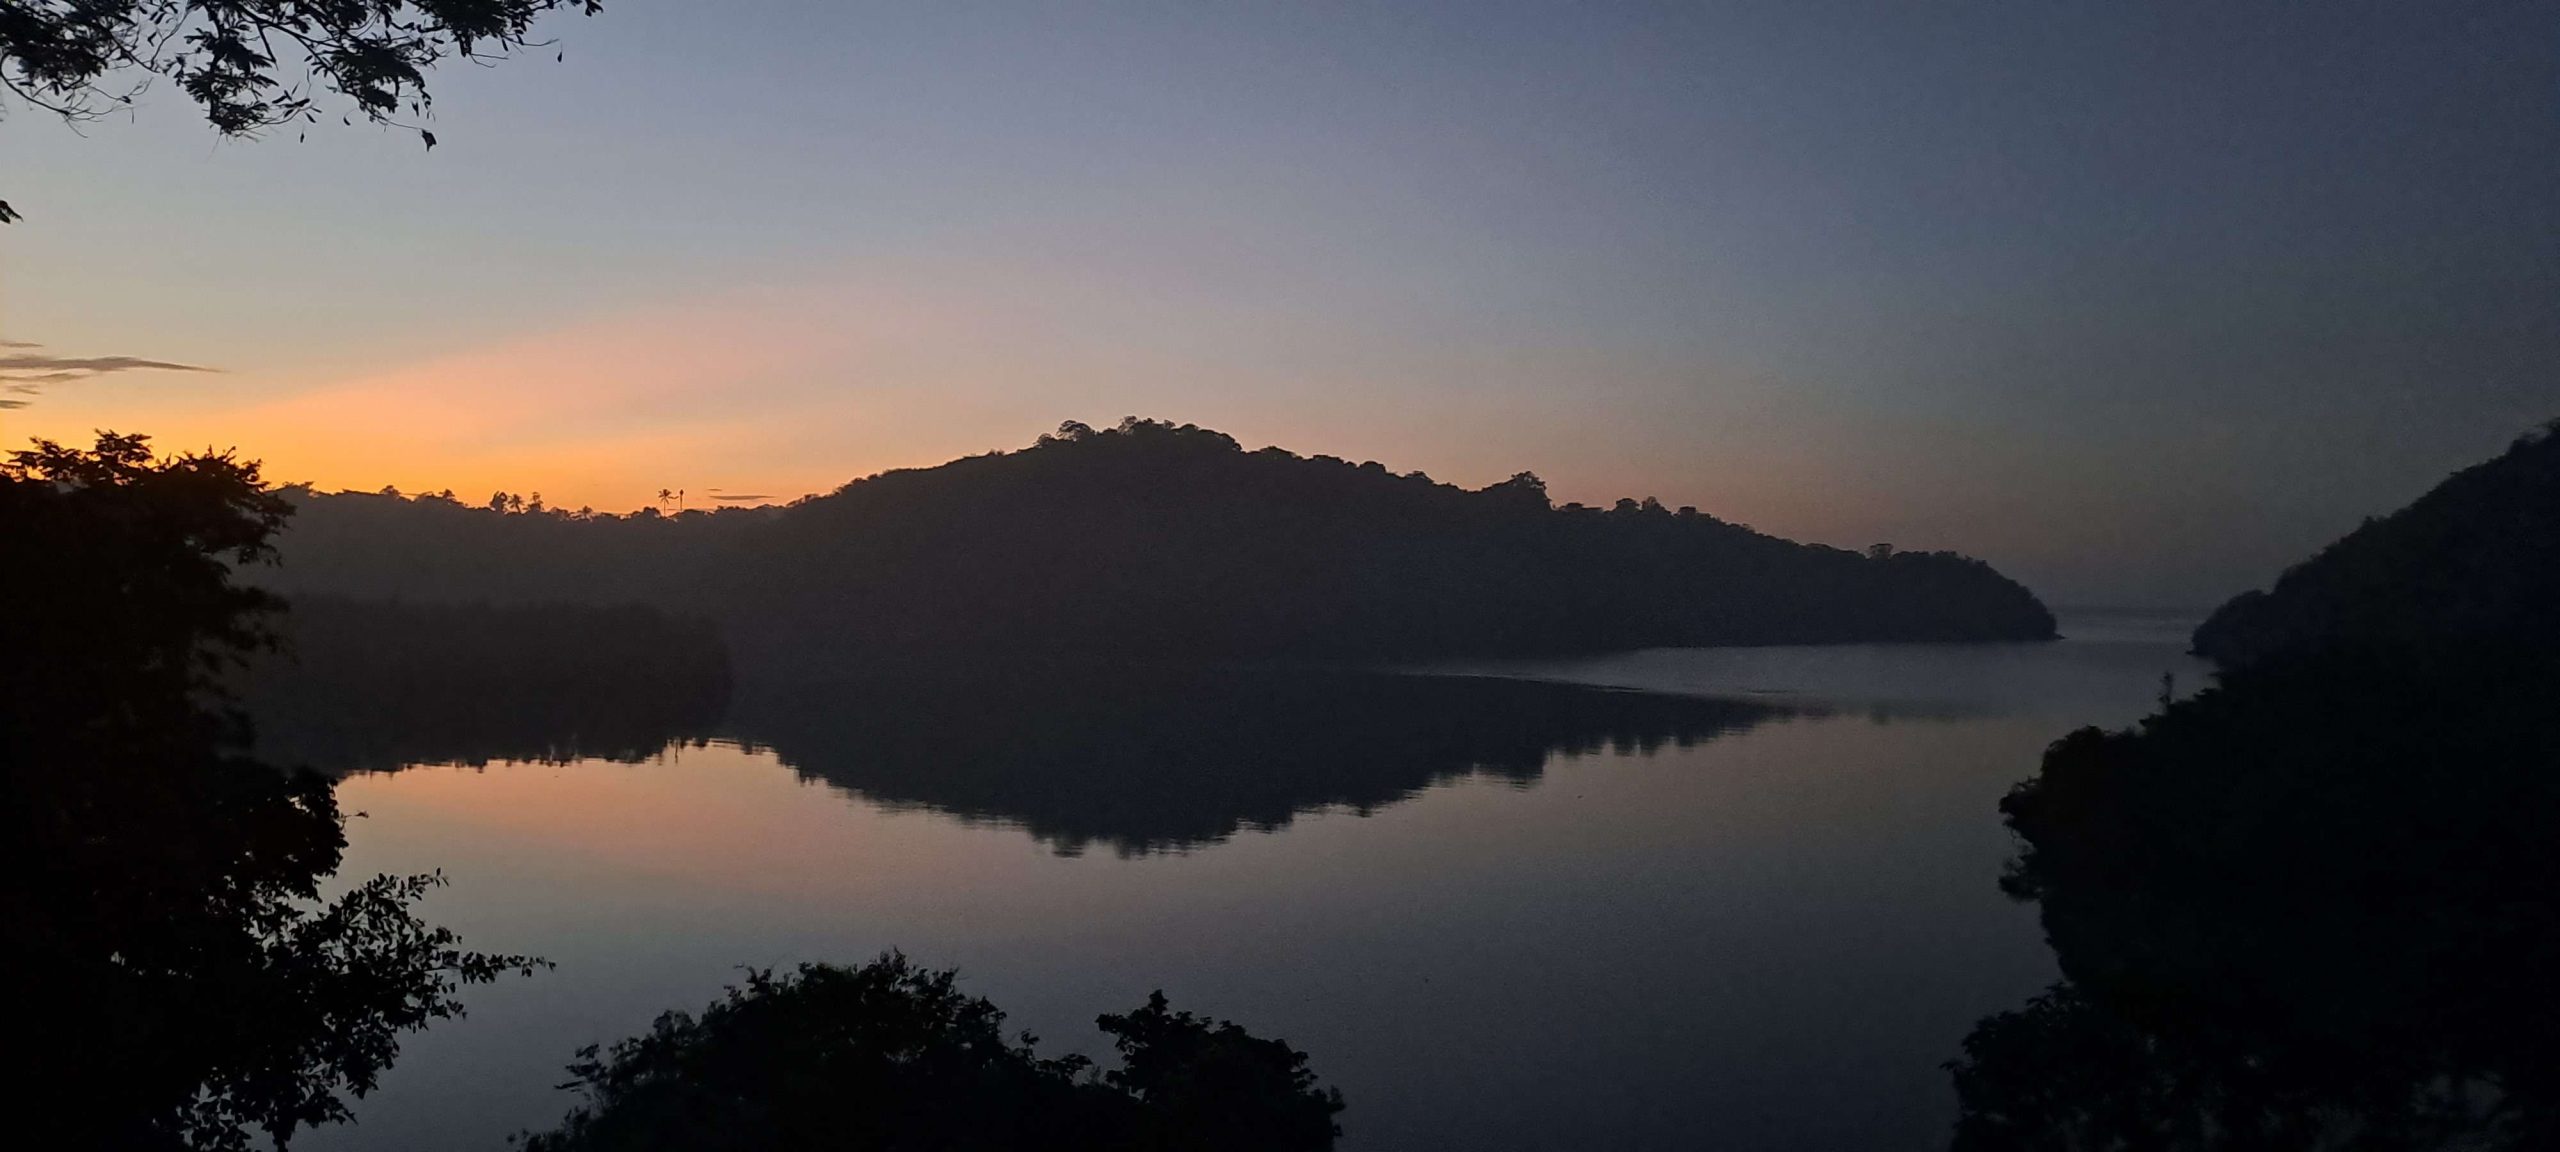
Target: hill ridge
x,y
1170,540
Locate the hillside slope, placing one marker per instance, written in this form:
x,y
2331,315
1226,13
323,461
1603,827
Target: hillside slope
x,y
2475,560
1158,540
1164,540
2317,899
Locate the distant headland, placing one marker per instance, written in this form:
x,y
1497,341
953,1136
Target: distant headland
x,y
1161,541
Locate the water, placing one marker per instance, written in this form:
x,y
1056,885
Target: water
x,y
1499,913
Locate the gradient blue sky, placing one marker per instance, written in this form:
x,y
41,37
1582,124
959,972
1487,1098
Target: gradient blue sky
x,y
2137,301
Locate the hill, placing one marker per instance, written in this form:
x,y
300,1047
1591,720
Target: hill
x,y
434,548
2474,560
1152,539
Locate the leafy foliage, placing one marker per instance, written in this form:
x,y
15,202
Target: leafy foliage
x,y
2317,901
890,1055
2317,906
186,980
1211,1084
254,64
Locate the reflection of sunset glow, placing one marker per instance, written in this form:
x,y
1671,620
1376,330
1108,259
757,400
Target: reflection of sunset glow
x,y
1754,860
713,816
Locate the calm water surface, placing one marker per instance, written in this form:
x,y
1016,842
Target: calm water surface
x,y
1757,909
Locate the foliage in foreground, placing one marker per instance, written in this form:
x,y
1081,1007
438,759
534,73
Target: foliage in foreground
x,y
184,982
2319,905
890,1055
253,64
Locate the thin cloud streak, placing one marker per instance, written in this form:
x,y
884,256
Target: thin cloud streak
x,y
27,374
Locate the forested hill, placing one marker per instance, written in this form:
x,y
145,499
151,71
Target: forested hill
x,y
2475,561
1153,539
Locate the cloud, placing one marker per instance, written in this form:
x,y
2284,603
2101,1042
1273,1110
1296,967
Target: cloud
x,y
26,373
92,365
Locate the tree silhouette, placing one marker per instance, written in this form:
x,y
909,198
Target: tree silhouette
x,y
891,1056
1211,1084
182,981
255,64
2314,906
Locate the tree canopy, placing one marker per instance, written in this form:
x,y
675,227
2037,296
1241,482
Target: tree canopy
x,y
2313,906
184,981
889,1055
255,64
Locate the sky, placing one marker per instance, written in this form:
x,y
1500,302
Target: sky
x,y
2139,302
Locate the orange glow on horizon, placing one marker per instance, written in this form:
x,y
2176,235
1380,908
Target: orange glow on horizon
x,y
791,392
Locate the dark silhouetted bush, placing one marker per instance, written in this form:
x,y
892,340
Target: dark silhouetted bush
x,y
892,1056
2317,906
181,982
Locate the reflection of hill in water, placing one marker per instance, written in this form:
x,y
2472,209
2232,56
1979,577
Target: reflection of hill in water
x,y
1171,759
1148,759
372,686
